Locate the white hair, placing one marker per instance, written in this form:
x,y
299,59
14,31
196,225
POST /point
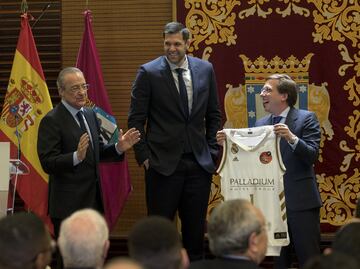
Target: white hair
x,y
82,239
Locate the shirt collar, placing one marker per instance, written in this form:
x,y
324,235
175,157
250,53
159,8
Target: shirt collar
x,y
184,65
71,109
285,112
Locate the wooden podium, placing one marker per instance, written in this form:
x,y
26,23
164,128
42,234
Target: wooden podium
x,y
10,169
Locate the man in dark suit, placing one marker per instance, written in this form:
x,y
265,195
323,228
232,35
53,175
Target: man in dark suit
x,y
70,148
237,237
175,97
300,137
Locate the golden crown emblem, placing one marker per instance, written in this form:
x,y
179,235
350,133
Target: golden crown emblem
x,y
276,64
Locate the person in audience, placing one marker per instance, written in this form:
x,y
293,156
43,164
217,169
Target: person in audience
x,y
84,240
347,241
122,263
25,242
335,260
237,237
155,243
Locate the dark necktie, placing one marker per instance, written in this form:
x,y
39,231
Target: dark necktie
x,y
183,91
276,119
80,117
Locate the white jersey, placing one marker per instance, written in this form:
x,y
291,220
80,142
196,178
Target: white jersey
x,y
251,168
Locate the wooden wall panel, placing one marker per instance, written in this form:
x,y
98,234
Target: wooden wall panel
x,y
128,33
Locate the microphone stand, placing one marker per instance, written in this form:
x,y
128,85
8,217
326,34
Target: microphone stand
x,y
17,163
42,14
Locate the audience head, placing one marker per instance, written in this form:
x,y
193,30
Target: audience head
x,y
24,242
122,263
83,239
236,227
155,243
335,260
347,240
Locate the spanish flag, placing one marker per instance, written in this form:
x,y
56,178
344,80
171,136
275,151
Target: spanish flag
x,y
27,100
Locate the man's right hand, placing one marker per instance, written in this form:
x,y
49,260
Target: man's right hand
x,y
82,147
220,137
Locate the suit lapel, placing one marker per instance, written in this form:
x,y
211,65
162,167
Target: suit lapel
x,y
291,119
194,74
69,120
291,123
168,77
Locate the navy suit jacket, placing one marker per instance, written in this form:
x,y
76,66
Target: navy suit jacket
x,y
70,187
155,102
301,190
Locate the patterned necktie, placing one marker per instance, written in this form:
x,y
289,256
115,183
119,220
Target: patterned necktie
x,y
183,91
276,119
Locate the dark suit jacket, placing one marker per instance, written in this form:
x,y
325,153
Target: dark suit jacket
x,y
155,101
301,191
224,263
70,187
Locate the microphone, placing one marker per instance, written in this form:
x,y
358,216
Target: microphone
x,y
42,14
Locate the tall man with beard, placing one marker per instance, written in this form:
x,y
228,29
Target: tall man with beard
x,y
175,97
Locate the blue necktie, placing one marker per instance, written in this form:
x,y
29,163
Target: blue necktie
x,y
276,119
183,91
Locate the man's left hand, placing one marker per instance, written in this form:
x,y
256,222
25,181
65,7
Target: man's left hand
x,y
282,130
127,140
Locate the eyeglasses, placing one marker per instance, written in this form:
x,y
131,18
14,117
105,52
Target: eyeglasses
x,y
266,90
77,88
